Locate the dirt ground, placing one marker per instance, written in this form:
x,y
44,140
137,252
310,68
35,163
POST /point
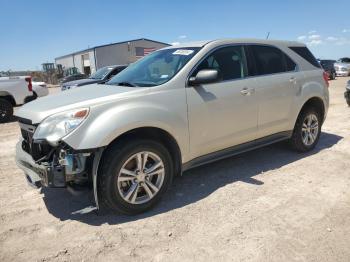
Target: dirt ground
x,y
271,204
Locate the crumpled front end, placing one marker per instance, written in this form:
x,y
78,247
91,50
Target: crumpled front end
x,y
46,165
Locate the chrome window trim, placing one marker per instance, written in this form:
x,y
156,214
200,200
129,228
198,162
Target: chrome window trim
x,y
245,56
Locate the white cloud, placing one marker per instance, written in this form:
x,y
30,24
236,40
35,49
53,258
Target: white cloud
x,y
342,41
315,42
346,31
312,32
182,36
175,43
332,38
314,37
302,37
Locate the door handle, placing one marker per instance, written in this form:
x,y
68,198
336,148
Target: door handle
x,y
245,91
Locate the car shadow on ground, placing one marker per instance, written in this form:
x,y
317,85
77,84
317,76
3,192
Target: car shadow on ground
x,y
193,186
10,120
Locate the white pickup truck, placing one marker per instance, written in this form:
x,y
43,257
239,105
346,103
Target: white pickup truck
x,y
14,91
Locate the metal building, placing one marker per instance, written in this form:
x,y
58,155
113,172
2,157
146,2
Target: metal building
x,y
89,60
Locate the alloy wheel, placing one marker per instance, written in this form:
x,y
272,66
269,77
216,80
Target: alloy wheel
x,y
310,129
141,177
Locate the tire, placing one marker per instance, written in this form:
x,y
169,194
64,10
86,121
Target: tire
x,y
332,76
31,98
300,141
6,110
348,102
114,194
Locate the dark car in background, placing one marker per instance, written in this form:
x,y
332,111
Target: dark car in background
x,y
347,93
100,76
72,78
328,66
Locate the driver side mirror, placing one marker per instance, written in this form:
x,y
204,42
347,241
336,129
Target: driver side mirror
x,y
204,76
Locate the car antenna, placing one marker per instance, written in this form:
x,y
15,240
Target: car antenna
x,y
267,36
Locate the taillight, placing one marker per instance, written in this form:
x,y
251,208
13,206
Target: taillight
x,y
29,81
325,77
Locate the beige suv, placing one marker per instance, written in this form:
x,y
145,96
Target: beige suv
x,y
175,109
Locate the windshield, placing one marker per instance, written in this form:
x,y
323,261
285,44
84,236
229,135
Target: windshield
x,y
154,69
101,73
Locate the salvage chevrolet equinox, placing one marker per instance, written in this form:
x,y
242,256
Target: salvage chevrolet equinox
x,y
175,109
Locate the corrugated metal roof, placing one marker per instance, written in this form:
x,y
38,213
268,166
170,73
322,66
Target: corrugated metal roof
x,y
116,43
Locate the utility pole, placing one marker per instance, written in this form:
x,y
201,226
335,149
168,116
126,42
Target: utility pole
x,y
268,34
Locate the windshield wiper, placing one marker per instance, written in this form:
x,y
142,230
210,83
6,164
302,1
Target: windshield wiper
x,y
126,84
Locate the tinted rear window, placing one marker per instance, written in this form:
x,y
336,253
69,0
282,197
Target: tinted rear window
x,y
327,63
289,63
305,53
270,60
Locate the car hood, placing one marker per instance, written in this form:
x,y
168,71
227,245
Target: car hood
x,y
85,96
82,82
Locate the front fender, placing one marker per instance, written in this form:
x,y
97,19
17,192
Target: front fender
x,y
106,124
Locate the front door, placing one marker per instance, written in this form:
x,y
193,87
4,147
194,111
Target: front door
x,y
222,114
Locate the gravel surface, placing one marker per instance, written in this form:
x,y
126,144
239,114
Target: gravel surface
x,y
270,204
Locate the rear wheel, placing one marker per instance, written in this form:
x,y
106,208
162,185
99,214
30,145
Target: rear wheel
x,y
307,130
6,110
333,75
134,176
348,102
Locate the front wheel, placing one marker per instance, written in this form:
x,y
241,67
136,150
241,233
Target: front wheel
x,y
307,130
134,176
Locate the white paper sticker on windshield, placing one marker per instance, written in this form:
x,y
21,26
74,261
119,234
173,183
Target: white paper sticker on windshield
x,y
183,52
164,76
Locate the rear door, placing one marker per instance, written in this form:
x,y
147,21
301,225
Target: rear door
x,y
276,80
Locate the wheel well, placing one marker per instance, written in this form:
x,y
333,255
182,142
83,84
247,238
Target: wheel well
x,y
156,134
316,103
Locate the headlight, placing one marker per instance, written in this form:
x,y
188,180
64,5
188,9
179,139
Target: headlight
x,y
56,126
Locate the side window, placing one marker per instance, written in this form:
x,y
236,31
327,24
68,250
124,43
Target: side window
x,y
115,72
290,65
305,53
229,61
269,60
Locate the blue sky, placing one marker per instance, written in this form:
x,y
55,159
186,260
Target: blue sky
x,y
33,32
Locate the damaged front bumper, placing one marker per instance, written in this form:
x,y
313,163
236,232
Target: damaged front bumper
x,y
59,170
56,166
63,169
31,170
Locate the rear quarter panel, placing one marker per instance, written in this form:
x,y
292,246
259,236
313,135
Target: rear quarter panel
x,y
16,87
311,85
